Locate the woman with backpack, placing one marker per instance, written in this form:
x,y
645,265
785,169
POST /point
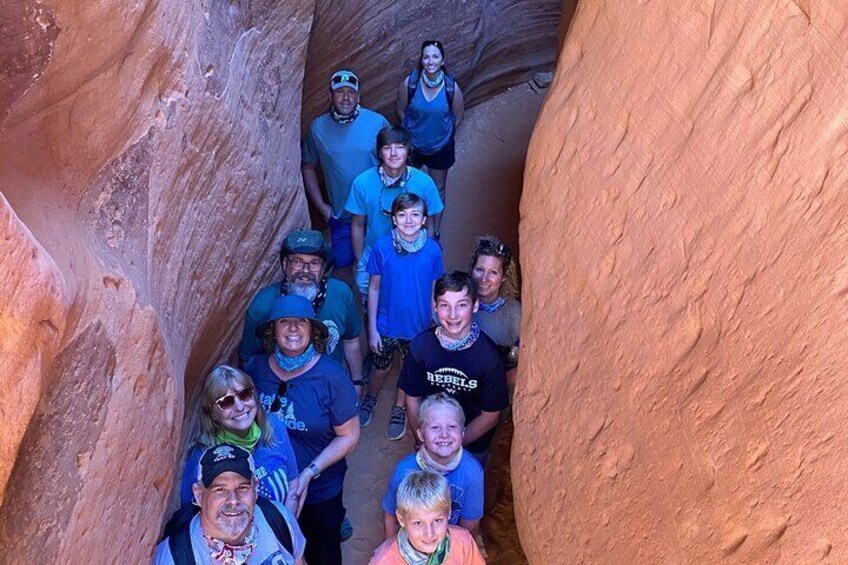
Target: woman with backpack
x,y
430,105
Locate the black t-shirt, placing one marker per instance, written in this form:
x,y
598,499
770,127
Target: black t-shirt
x,y
474,377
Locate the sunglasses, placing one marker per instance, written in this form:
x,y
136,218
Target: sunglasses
x,y
431,43
277,405
499,248
313,265
345,78
227,402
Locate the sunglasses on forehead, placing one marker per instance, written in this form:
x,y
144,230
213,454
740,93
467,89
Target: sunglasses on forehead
x,y
499,248
277,404
228,401
431,42
344,78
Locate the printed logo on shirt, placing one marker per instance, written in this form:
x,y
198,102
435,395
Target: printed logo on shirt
x,y
286,414
452,380
335,335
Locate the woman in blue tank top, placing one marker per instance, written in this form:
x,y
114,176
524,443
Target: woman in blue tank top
x,y
431,105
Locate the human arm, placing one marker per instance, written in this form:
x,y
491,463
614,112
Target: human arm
x,y
412,404
357,235
347,436
374,339
313,190
353,358
479,426
390,525
458,106
402,98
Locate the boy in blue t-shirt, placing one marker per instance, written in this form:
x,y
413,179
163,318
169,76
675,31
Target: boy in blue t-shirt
x,y
403,267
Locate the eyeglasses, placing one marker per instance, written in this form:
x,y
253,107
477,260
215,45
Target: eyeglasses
x,y
499,248
313,265
227,402
277,404
431,42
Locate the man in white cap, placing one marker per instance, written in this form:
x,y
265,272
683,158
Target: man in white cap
x,y
340,141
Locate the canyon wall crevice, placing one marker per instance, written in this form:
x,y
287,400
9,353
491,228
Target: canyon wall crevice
x,y
150,169
681,393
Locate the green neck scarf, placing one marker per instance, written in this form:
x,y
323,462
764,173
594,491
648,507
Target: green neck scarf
x,y
248,442
414,557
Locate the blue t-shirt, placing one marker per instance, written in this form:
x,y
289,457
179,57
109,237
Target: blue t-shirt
x,y
430,123
369,197
475,377
406,285
338,313
343,151
275,466
314,402
466,486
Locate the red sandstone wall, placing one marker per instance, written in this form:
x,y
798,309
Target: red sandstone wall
x,y
682,396
150,163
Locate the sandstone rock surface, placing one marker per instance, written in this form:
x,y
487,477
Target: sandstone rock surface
x,y
489,45
682,390
150,165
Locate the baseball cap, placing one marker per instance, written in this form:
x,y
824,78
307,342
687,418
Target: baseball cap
x,y
222,458
344,78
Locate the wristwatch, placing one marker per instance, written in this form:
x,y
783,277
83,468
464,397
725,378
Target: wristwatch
x,y
314,468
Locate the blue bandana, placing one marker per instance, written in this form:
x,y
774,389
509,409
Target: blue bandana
x,y
290,364
463,343
493,306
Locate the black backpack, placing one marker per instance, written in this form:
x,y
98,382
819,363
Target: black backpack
x,y
178,530
412,84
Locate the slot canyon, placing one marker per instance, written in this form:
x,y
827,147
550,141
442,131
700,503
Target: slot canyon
x,y
680,228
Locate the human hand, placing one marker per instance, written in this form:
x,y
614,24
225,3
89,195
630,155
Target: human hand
x,y
375,341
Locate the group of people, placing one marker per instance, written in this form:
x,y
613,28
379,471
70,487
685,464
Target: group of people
x,y
264,477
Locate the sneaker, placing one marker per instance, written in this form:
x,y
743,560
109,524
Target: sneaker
x,y
347,529
366,408
397,423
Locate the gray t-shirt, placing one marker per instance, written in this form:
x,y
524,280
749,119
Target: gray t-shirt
x,y
503,325
268,550
343,151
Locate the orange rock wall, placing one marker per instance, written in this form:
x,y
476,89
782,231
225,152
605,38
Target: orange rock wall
x,y
149,166
682,395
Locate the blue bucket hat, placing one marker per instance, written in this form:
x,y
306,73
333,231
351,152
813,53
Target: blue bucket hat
x,y
294,306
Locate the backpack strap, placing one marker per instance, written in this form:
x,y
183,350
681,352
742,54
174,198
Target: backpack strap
x,y
412,84
180,545
277,522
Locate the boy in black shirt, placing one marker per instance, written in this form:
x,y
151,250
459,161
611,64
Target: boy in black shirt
x,y
457,358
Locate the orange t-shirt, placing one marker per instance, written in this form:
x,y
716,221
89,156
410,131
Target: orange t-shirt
x,y
463,550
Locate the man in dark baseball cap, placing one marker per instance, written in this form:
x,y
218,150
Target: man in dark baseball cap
x,y
232,525
306,260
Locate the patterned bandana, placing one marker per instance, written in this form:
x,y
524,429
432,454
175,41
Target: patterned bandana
x,y
493,306
464,343
319,299
404,247
226,554
427,463
436,82
390,182
290,364
343,118
414,557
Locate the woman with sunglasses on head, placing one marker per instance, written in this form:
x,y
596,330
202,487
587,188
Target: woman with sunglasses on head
x,y
431,105
315,399
499,312
230,413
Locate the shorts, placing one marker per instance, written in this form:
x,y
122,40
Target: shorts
x,y
391,347
442,159
340,239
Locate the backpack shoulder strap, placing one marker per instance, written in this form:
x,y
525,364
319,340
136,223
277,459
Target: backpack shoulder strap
x,y
180,545
450,89
277,522
411,85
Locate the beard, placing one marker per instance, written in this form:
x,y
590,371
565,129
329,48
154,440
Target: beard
x,y
233,526
303,284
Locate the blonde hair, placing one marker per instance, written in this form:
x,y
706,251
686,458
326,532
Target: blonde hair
x,y
222,378
439,399
491,246
423,490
